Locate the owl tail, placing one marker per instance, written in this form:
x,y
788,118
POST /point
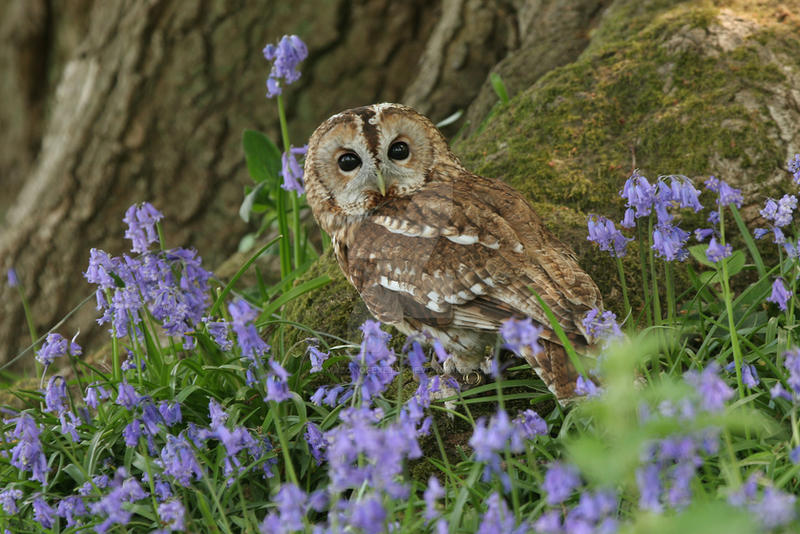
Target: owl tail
x,y
554,368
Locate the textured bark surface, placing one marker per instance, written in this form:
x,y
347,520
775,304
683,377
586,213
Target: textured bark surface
x,y
551,33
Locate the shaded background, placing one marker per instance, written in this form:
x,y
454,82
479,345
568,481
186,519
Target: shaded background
x,y
107,103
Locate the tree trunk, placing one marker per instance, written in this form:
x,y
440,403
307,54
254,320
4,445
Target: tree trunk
x,y
151,107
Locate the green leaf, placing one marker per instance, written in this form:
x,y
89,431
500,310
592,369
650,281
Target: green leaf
x,y
499,87
698,252
748,240
305,287
736,260
735,263
262,156
249,200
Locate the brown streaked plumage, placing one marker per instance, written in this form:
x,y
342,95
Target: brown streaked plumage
x,y
433,247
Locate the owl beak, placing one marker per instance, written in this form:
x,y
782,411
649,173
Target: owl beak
x,y
381,183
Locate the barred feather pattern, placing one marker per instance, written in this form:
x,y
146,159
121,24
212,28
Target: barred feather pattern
x,y
444,251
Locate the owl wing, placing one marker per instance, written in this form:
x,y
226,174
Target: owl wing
x,y
465,253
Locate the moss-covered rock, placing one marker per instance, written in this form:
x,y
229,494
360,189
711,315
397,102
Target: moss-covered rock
x,y
664,86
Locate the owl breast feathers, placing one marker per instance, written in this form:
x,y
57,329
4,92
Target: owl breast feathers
x,y
432,247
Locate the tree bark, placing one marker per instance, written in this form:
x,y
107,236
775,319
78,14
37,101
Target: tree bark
x,y
151,107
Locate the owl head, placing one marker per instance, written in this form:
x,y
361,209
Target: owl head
x,y
360,158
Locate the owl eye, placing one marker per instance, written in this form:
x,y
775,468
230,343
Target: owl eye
x,y
398,150
349,161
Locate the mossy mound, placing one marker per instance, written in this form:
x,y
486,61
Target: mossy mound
x,y
334,309
666,87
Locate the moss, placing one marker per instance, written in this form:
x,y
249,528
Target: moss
x,y
643,95
333,310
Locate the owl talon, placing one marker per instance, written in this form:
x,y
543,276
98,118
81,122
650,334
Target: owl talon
x,y
473,378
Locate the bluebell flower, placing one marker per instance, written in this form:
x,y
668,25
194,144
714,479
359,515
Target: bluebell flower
x,y
382,451
291,171
172,285
549,523
55,396
603,232
71,507
440,352
286,56
317,358
8,498
499,519
69,425
55,346
749,374
11,275
663,202
792,364
521,335
216,413
242,317
141,220
220,332
628,220
794,168
277,387
172,515
27,454
291,502
585,387
778,391
127,396
780,295
593,507
560,481
490,439
433,492
316,441
132,432
100,269
178,460
417,359
530,424
371,369
794,455
702,233
716,251
780,213
43,513
367,514
669,242
685,193
726,195
170,411
601,325
639,193
110,506
648,479
773,508
151,418
713,391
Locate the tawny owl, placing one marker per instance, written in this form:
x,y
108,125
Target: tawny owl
x,y
432,247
